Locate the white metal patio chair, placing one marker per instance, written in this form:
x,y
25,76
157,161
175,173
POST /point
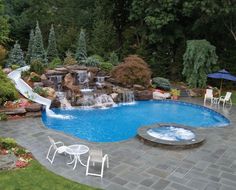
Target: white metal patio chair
x,y
208,96
96,156
58,147
226,99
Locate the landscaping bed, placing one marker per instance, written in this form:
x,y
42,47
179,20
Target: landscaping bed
x,y
25,173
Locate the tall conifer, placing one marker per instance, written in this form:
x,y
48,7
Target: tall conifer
x,y
52,45
81,51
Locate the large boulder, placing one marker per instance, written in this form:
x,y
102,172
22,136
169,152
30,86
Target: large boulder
x,y
143,95
16,111
51,93
162,83
69,84
33,107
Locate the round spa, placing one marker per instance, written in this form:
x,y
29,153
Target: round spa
x,y
171,136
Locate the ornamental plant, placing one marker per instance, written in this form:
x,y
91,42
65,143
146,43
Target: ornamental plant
x,y
30,47
133,70
38,52
81,51
52,52
7,89
16,56
199,59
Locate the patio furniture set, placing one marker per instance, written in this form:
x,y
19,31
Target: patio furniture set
x,y
74,152
217,100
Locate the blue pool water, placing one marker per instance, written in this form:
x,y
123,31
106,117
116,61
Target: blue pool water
x,y
121,122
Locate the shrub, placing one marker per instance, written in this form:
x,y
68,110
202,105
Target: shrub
x,y
37,66
3,117
7,143
69,60
35,79
7,89
106,66
175,92
25,73
3,54
54,63
162,83
41,91
14,66
134,70
91,62
113,58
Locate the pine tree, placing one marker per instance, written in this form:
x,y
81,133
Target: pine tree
x,y
38,52
52,45
113,58
81,51
16,56
30,46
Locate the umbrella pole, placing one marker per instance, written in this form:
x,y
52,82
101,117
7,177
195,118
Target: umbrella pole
x,y
221,86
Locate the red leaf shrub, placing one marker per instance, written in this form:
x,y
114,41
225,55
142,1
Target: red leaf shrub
x,y
21,164
133,70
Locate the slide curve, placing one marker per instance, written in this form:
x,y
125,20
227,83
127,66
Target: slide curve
x,y
25,89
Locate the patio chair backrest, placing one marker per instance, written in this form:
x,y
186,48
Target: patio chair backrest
x,y
96,155
52,142
209,93
227,96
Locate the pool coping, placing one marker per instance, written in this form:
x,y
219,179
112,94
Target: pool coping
x,y
144,137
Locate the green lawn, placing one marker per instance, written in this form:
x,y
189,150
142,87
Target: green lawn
x,y
234,97
36,177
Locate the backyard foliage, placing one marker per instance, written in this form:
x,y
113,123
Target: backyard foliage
x,y
38,52
37,66
199,60
81,51
16,56
3,54
5,28
52,52
30,47
157,30
36,177
7,89
69,59
133,70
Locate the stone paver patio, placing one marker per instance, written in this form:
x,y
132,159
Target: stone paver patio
x,y
136,166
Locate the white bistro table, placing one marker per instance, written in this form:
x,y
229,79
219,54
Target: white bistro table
x,y
215,100
75,151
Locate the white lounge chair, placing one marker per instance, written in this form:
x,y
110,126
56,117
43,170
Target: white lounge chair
x,y
226,99
208,96
157,95
58,147
96,156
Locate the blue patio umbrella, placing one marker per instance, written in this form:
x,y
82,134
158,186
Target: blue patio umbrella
x,y
222,74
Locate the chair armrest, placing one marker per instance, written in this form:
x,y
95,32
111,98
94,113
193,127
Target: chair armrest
x,y
104,157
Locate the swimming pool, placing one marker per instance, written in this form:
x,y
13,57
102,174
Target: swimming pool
x,y
121,122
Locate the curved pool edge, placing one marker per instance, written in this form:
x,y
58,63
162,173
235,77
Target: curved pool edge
x,y
135,136
203,107
145,138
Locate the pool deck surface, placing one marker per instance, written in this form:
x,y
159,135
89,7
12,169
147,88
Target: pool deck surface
x,y
136,166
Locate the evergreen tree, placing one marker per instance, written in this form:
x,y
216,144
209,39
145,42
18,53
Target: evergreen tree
x,y
81,51
30,46
38,52
16,56
199,60
52,45
113,58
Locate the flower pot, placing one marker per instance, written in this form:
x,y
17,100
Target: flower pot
x,y
174,97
